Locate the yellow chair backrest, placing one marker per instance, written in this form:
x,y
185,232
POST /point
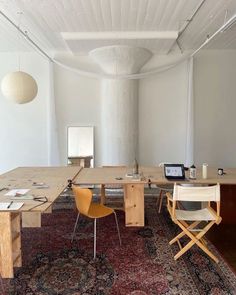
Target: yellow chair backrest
x,y
83,199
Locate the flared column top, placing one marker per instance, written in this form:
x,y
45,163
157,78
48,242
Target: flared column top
x,y
120,59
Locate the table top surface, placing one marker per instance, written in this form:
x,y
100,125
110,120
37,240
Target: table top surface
x,y
55,180
118,175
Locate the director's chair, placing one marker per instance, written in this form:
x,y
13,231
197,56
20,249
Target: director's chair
x,y
188,221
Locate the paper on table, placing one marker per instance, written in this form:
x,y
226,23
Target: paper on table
x,y
22,197
14,206
129,174
20,191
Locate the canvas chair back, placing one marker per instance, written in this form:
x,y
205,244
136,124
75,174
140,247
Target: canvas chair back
x,y
196,194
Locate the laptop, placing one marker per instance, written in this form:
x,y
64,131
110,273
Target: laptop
x,y
174,171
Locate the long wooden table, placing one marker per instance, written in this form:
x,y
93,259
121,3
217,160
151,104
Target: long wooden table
x,y
134,189
56,178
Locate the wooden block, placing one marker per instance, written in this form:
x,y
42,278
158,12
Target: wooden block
x,y
10,243
134,204
31,219
16,240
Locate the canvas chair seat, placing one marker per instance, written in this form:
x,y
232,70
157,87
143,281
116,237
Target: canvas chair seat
x,y
196,215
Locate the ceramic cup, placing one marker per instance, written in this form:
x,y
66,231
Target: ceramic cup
x,y
220,171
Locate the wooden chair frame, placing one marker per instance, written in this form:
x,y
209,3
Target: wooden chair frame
x,y
163,190
189,229
162,194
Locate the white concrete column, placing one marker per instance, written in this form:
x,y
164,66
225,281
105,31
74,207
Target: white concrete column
x,y
119,115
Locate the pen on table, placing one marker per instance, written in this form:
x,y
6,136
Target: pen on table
x,y
9,205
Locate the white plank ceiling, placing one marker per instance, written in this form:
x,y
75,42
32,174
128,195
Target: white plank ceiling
x,y
47,20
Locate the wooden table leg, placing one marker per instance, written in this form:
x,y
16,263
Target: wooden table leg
x,y
31,219
10,242
134,204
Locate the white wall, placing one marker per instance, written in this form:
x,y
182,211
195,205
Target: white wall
x,y
23,128
162,116
162,112
215,108
78,103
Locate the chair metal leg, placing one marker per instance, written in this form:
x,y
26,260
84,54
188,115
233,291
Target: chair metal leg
x,y
77,219
117,226
94,238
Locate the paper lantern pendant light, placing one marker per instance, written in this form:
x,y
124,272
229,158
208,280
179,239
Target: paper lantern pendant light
x,y
19,87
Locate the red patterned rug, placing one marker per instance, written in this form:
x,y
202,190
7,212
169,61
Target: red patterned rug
x,y
143,265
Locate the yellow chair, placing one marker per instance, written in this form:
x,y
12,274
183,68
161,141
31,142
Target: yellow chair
x,y
85,206
188,220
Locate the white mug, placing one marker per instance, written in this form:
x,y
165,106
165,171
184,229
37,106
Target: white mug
x,y
204,170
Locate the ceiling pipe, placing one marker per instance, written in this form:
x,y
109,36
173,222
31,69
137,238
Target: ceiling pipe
x,y
186,26
24,33
223,28
229,25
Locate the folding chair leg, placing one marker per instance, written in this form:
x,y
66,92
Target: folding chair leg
x,y
208,252
184,249
180,246
117,226
204,241
160,201
94,238
195,240
189,245
77,219
180,235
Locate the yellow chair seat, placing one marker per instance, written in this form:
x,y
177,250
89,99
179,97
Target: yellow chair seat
x,y
98,211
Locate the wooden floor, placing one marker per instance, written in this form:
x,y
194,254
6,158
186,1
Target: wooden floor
x,y
223,237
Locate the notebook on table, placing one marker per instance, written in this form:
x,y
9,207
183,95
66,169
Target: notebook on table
x,y
174,171
10,206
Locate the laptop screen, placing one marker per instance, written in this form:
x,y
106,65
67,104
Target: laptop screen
x,y
174,171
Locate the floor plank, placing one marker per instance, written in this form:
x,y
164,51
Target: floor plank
x,y
224,239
